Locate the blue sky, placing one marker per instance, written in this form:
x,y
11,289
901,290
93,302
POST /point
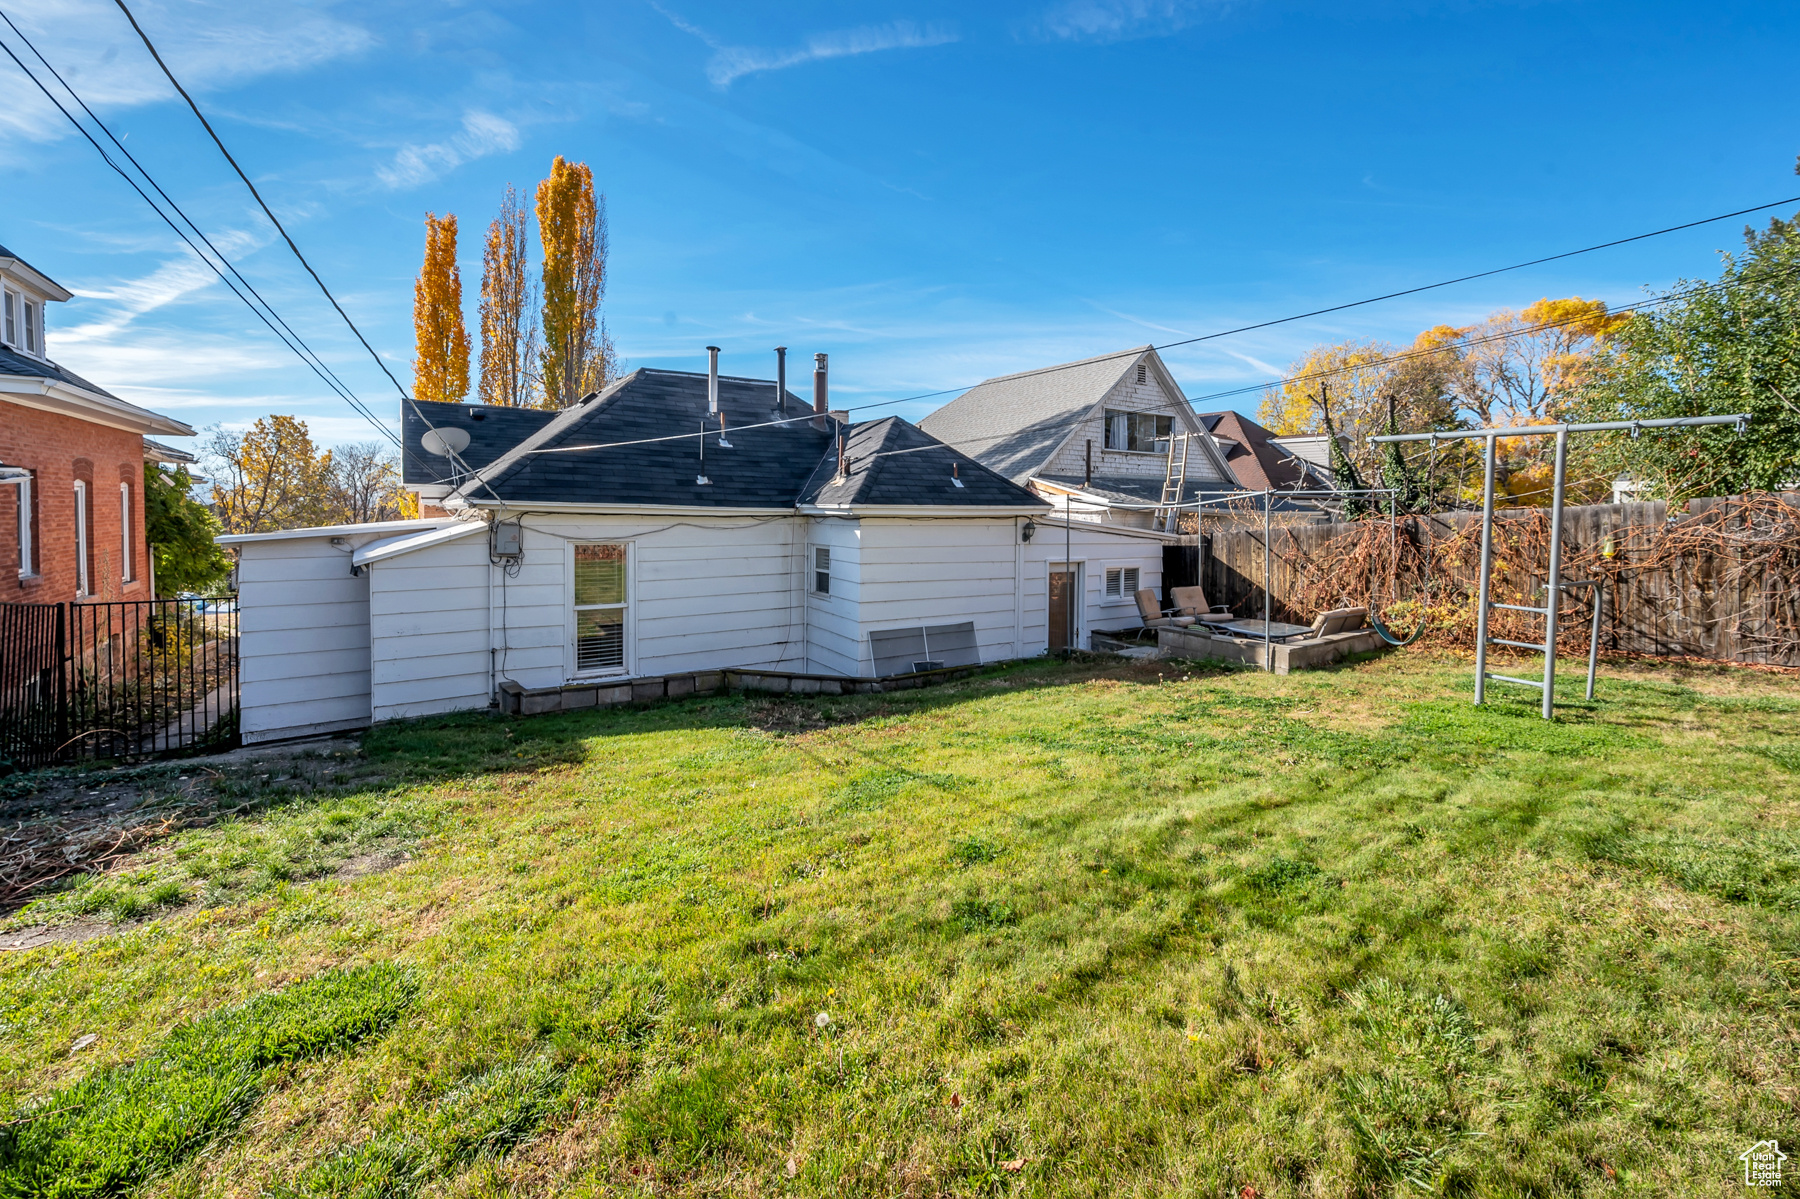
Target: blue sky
x,y
932,193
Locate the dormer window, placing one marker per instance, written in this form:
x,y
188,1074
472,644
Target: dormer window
x,y
22,323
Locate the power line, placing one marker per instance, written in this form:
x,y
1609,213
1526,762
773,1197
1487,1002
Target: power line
x,y
405,398
285,333
279,228
1300,316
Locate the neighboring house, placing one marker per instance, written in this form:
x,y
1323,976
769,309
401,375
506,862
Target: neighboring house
x,y
1261,461
613,541
71,462
1094,436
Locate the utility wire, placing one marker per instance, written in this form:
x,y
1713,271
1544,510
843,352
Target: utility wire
x,y
405,397
179,233
279,227
285,333
1448,347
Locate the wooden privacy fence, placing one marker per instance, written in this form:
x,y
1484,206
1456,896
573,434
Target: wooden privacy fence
x,y
1720,580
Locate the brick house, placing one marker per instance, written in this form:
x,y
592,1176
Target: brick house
x,y
71,464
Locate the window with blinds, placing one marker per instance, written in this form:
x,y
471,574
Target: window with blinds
x,y
599,607
821,570
1121,582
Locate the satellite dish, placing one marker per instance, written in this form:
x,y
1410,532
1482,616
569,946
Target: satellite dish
x,y
445,442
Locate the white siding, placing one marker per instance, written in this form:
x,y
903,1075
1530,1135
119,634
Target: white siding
x,y
428,630
303,640
704,593
1095,548
1131,396
834,635
929,572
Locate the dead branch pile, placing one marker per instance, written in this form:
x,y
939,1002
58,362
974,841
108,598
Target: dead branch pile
x,y
1725,575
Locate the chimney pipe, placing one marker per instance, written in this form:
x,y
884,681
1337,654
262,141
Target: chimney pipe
x,y
821,400
781,380
712,379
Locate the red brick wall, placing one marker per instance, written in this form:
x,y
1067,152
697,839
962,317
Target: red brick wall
x,y
60,449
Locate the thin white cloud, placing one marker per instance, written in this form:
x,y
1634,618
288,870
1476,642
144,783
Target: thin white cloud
x,y
482,134
1116,20
208,45
1258,363
731,63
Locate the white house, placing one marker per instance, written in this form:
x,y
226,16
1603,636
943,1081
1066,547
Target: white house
x,y
674,523
1099,438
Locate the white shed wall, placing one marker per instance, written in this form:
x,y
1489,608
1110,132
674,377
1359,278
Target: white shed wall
x,y
428,630
303,640
930,572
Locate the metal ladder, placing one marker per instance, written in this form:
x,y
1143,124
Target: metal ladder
x,y
1553,589
1174,480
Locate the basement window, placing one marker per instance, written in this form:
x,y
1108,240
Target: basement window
x,y
1121,582
600,607
1138,432
822,571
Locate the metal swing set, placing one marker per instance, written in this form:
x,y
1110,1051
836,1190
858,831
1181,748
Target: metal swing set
x,y
1554,584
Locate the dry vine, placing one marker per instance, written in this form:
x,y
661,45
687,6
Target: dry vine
x,y
1734,565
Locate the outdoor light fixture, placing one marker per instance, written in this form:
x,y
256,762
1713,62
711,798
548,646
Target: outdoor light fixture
x,y
1028,529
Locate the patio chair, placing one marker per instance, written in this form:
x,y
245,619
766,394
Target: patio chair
x,y
1153,615
1337,620
1191,601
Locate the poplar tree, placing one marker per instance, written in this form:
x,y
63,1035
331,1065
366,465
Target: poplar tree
x,y
572,227
441,370
509,330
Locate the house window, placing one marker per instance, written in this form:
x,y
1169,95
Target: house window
x,y
12,318
32,329
1138,432
599,607
125,537
1121,582
822,570
81,538
27,492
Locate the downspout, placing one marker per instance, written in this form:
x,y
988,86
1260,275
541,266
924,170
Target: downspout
x,y
1018,590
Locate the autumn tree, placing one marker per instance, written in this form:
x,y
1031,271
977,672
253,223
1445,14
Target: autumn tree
x,y
269,477
1706,350
509,329
180,530
366,485
577,353
441,370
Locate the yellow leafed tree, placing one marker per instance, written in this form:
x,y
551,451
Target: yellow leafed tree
x,y
441,370
509,332
576,357
270,477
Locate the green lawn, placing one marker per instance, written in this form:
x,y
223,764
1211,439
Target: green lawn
x,y
1083,930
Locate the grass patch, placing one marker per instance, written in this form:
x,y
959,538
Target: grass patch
x,y
122,1125
1073,929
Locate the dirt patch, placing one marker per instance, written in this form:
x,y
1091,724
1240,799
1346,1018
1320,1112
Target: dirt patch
x,y
87,820
371,863
783,716
39,935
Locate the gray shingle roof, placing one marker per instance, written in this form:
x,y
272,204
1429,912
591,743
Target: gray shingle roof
x,y
892,462
659,413
14,363
492,432
1013,423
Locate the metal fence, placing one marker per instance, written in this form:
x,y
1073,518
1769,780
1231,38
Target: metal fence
x,y
121,679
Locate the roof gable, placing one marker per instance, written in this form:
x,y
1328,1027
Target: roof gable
x,y
1014,423
892,462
